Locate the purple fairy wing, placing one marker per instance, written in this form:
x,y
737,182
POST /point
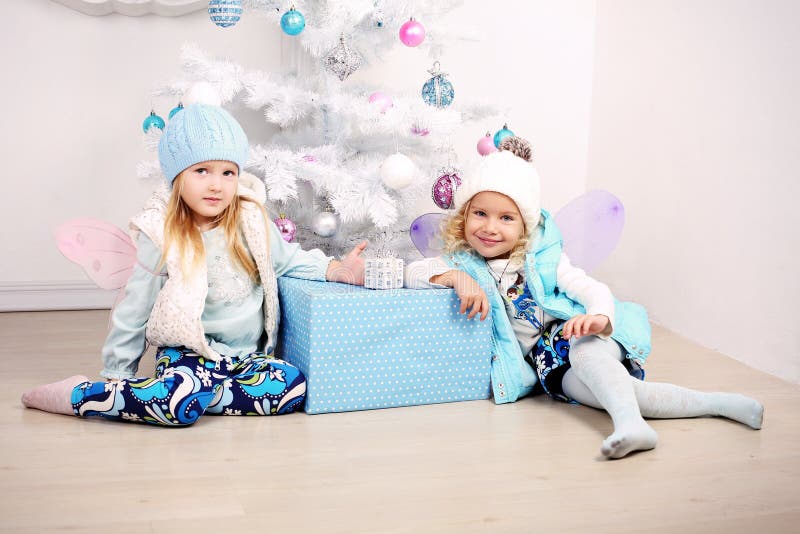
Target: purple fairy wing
x,y
105,252
591,226
426,234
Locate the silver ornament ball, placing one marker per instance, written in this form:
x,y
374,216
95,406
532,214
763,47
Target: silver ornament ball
x,y
325,223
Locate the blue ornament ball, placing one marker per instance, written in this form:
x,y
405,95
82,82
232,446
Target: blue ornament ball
x,y
501,134
175,110
151,121
293,22
225,13
438,91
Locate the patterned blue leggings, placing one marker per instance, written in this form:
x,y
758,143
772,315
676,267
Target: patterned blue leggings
x,y
187,385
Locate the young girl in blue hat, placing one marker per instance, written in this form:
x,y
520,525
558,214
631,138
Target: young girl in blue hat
x,y
554,327
203,291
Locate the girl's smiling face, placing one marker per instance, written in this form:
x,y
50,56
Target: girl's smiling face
x,y
208,188
493,224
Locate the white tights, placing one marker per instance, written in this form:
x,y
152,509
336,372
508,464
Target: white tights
x,y
597,378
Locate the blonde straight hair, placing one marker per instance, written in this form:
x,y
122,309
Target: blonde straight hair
x,y
181,232
455,238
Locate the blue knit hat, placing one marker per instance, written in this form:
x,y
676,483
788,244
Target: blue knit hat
x,y
201,133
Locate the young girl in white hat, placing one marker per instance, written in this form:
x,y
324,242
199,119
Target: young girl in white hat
x,y
554,327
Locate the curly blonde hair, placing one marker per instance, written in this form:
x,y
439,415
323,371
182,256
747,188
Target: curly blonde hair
x,y
455,239
181,231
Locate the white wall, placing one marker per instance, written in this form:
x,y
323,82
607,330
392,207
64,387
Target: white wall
x,y
694,125
535,62
76,89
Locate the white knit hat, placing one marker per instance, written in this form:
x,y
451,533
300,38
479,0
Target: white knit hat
x,y
509,174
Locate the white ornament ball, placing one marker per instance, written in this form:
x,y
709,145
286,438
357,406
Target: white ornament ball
x,y
397,171
202,93
325,223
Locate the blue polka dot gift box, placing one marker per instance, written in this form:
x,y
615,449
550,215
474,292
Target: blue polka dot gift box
x,y
362,349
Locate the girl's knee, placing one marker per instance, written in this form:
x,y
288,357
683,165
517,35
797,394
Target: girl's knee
x,y
295,393
582,348
592,346
291,374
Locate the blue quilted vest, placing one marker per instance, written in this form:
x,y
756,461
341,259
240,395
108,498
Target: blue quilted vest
x,y
512,377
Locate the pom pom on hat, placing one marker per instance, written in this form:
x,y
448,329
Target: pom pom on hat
x,y
517,146
509,172
199,133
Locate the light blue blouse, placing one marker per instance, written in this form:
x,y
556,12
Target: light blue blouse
x,y
233,319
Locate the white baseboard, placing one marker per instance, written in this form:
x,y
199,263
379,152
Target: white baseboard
x,y
53,295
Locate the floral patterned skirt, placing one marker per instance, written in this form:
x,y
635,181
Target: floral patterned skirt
x,y
550,360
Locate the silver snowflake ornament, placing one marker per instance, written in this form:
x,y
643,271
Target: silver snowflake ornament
x,y
342,60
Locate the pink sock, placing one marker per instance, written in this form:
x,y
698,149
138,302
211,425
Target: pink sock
x,y
55,397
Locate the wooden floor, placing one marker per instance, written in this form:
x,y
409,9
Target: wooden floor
x,y
532,466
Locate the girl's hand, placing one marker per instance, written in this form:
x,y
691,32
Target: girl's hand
x,y
470,294
350,270
585,325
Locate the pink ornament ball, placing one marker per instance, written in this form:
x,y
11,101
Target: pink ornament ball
x,y
443,190
286,227
412,33
486,145
381,100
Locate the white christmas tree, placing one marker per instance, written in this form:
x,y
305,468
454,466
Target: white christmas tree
x,y
341,168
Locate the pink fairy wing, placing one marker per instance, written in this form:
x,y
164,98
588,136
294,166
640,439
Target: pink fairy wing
x,y
425,232
105,252
591,226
